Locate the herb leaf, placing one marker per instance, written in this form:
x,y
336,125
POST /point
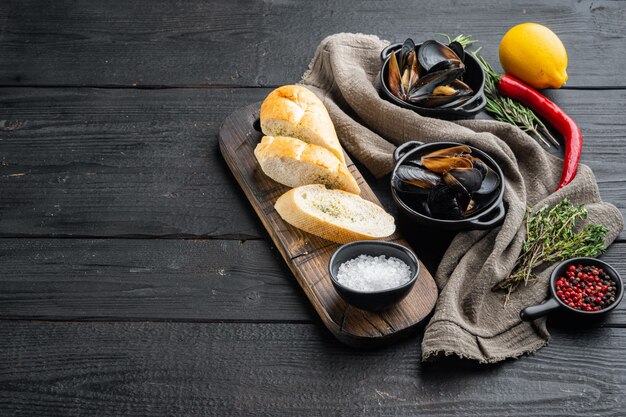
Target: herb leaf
x,y
550,237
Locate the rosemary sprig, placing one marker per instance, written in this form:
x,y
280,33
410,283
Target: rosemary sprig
x,y
550,238
510,111
464,40
504,108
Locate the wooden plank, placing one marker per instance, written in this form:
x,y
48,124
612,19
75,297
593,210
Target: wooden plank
x,y
99,162
164,369
308,256
167,279
113,162
147,279
240,43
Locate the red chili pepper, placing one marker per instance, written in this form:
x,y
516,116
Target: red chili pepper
x,y
565,125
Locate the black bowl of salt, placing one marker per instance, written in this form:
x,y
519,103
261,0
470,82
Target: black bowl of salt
x,y
373,275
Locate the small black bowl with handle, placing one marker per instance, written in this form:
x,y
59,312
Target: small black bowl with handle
x,y
554,303
473,76
487,218
373,300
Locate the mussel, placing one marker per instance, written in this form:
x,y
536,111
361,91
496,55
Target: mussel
x,y
428,76
415,179
449,183
432,53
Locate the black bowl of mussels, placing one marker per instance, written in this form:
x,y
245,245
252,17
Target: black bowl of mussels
x,y
433,79
448,185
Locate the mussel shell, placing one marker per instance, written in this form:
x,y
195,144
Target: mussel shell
x,y
461,87
481,202
463,196
491,182
459,150
394,78
449,64
448,200
407,47
491,179
431,100
470,178
443,204
480,165
415,71
410,72
423,207
430,81
458,49
406,188
415,176
446,163
448,183
461,92
432,52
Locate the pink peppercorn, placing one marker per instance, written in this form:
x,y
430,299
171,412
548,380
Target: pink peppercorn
x,y
586,288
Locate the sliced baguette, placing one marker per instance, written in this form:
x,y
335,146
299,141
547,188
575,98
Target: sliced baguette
x,y
294,111
334,214
293,162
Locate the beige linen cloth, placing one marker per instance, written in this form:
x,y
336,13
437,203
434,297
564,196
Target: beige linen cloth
x,y
470,320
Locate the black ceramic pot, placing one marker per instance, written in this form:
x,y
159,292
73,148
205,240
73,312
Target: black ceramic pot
x,y
375,300
473,76
487,218
554,303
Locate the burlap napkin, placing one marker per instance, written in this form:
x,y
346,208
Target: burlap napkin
x,y
470,320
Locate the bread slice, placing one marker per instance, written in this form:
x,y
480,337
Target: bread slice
x,y
294,111
293,162
334,214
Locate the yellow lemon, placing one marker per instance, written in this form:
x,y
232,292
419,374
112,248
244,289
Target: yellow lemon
x,y
534,54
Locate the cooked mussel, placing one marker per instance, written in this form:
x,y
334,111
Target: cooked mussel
x,y
432,53
414,179
458,49
448,183
491,180
448,201
423,92
460,150
428,76
404,74
446,159
470,178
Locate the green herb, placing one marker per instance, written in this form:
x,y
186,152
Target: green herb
x,y
464,40
330,209
504,108
510,111
550,238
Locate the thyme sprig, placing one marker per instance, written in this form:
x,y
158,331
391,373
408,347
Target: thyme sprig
x,y
551,237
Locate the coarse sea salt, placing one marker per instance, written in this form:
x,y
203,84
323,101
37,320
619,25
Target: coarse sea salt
x,y
373,273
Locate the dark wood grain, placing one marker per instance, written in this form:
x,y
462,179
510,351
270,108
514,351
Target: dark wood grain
x,y
166,279
119,162
154,279
99,162
165,369
308,256
140,159
246,43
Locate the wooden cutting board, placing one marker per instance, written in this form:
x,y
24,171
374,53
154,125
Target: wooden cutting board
x,y
308,255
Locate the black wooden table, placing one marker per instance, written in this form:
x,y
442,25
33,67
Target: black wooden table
x,y
136,280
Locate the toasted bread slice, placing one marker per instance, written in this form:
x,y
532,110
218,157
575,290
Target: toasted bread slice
x,y
293,162
334,214
294,111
